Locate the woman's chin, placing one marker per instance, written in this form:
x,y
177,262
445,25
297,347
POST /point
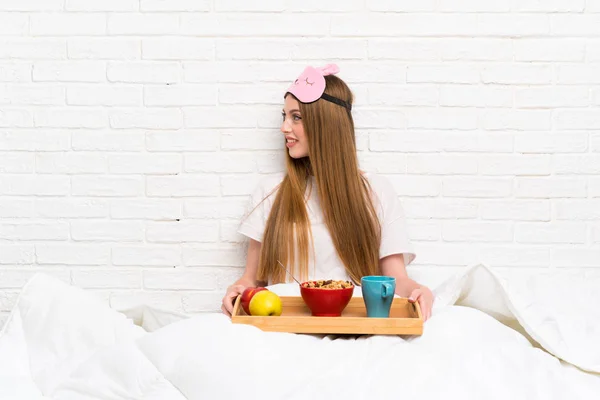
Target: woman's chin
x,y
296,154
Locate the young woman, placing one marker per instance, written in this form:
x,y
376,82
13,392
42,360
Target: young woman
x,y
324,218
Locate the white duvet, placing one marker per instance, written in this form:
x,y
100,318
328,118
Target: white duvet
x,y
489,338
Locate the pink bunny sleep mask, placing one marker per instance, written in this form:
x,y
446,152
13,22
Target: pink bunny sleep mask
x,y
310,86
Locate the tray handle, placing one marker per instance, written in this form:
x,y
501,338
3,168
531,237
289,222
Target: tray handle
x,y
417,309
236,306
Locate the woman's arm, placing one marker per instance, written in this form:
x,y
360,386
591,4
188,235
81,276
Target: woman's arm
x,y
393,265
251,270
248,279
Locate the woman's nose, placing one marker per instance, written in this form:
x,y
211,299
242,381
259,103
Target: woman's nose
x,y
285,127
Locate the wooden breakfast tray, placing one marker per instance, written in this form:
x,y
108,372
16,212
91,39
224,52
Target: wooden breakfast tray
x,y
405,319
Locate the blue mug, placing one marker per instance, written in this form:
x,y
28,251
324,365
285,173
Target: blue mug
x,y
378,294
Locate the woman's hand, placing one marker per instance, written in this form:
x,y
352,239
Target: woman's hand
x,y
232,292
425,298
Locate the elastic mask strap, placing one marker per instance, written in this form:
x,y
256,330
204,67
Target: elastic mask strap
x,y
337,101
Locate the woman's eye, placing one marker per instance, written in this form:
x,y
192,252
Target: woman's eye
x,y
297,118
283,116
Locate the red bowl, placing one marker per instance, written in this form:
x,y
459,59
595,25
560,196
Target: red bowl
x,y
326,302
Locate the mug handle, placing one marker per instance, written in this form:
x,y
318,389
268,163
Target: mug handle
x,y
387,290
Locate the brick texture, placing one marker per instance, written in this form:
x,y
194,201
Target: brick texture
x,y
133,131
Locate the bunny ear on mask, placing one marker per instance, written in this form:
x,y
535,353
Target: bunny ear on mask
x,y
329,69
310,86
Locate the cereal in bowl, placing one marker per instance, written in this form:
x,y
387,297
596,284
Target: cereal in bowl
x,y
328,284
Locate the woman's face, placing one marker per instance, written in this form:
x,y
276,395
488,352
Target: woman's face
x,y
293,129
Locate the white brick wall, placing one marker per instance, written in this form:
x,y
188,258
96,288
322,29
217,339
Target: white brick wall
x,y
132,132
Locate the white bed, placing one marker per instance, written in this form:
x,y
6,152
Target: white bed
x,y
490,337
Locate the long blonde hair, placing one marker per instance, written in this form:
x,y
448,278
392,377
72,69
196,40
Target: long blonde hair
x,y
343,192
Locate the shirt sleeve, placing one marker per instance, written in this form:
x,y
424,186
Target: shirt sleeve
x,y
394,233
257,211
